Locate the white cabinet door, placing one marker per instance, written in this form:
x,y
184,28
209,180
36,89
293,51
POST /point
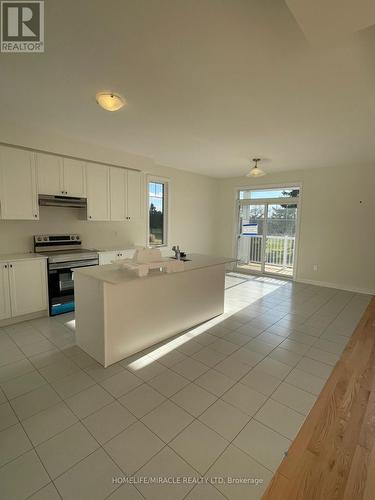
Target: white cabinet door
x,y
18,196
125,254
135,195
28,286
97,192
50,174
74,178
107,257
4,292
117,188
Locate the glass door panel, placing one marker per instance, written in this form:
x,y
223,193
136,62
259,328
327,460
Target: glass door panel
x,y
280,239
250,239
266,237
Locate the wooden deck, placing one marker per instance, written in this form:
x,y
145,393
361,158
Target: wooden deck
x,y
333,456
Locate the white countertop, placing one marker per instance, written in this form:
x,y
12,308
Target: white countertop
x,y
116,248
6,257
112,273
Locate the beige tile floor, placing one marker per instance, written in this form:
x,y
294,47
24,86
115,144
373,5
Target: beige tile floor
x,y
222,401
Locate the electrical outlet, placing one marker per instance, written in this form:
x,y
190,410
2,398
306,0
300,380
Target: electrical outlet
x,y
315,267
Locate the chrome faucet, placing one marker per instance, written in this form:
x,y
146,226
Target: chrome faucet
x,y
177,252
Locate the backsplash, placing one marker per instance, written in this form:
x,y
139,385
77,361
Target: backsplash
x,y
17,236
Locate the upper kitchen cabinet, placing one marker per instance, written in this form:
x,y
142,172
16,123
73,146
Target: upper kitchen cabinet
x,y
74,178
118,193
135,195
98,203
50,174
18,193
126,194
60,176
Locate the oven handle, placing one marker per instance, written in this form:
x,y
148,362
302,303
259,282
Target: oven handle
x,y
71,265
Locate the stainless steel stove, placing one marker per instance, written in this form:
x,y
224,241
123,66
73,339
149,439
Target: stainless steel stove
x,y
65,253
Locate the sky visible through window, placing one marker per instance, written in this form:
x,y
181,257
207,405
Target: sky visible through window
x,y
260,194
155,193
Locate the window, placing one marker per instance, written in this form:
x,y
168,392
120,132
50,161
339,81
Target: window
x,y
287,192
157,207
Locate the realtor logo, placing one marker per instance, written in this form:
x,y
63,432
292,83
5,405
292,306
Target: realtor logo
x,y
22,26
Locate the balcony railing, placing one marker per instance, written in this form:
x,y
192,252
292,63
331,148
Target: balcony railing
x,y
279,251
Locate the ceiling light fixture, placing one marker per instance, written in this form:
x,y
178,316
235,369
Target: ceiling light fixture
x,y
255,171
110,101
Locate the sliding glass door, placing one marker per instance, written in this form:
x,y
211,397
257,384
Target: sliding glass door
x,y
266,239
250,248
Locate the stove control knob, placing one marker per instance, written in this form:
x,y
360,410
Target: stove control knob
x,y
39,238
77,237
45,238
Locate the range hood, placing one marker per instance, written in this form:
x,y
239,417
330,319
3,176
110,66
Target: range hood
x,y
46,200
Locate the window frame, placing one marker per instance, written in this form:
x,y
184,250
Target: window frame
x,y
166,205
254,187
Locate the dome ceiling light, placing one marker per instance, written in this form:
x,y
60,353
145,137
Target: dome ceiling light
x,y
110,101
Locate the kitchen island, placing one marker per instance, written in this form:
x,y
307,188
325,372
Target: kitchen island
x,y
119,313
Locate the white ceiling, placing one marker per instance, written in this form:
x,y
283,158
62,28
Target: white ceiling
x,y
210,84
331,21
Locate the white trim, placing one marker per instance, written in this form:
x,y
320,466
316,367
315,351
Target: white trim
x,y
167,206
269,201
347,288
260,187
297,243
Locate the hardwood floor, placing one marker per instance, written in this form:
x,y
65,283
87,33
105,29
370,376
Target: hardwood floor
x,y
333,455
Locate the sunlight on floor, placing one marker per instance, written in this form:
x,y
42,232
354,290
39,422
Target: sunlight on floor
x,y
269,285
241,291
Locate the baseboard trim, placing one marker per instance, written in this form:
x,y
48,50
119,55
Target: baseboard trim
x,y
346,288
24,317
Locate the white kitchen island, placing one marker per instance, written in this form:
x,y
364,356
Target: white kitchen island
x,y
119,313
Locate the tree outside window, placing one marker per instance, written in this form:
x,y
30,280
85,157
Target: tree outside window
x,y
157,213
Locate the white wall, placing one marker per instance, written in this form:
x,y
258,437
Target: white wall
x,y
337,223
192,201
337,231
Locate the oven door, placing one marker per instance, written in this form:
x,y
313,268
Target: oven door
x,y
61,285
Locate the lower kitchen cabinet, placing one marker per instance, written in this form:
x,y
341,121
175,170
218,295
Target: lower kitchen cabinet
x,y
108,257
5,311
23,287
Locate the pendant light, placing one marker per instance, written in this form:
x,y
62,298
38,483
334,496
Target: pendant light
x,y
255,171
